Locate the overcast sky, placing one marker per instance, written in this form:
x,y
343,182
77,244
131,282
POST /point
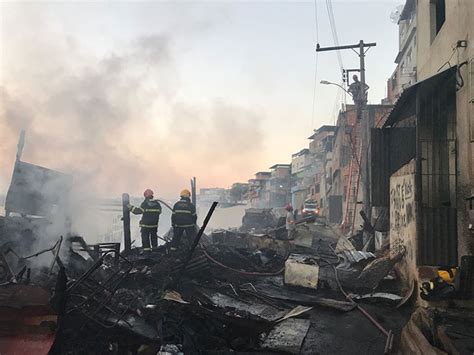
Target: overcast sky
x,y
130,95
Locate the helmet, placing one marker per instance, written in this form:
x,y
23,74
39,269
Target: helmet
x,y
148,193
289,207
185,193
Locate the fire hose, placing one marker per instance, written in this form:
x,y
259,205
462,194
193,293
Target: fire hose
x,y
387,333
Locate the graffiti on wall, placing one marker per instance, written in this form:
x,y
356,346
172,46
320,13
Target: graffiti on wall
x,y
402,213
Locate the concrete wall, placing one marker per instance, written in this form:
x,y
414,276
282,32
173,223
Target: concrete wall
x,y
403,214
432,54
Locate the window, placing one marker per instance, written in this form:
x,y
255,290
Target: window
x,y
409,56
437,16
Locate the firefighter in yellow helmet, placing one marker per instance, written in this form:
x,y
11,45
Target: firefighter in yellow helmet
x,y
183,219
150,209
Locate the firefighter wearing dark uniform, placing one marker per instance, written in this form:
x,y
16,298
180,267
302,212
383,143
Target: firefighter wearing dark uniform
x,y
183,220
151,210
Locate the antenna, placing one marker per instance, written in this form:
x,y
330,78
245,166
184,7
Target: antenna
x,y
395,14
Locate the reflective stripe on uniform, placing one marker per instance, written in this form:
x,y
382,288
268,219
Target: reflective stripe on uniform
x,y
135,209
184,225
148,225
182,211
152,210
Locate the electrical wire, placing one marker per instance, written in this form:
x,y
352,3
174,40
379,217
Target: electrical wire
x,y
316,20
332,23
314,90
448,61
316,24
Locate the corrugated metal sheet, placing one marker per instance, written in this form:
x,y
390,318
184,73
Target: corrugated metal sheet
x,y
437,242
407,96
380,167
34,189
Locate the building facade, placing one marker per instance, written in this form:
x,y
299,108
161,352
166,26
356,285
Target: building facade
x,y
258,190
320,146
279,186
428,140
301,177
405,73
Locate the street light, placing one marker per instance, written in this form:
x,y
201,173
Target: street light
x,y
325,82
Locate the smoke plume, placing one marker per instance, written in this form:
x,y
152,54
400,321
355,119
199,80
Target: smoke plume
x,y
115,121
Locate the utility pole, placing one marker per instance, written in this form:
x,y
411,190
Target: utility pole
x,y
127,240
193,191
360,103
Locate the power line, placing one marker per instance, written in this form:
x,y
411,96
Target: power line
x,y
314,89
332,23
316,20
315,64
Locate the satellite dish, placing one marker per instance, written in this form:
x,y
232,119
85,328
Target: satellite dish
x,y
395,14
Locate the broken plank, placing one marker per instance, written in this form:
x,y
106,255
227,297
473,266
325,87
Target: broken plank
x,y
287,336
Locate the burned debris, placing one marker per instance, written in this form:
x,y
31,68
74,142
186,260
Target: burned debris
x,y
236,291
251,289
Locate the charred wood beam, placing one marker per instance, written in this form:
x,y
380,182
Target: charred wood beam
x,y
367,226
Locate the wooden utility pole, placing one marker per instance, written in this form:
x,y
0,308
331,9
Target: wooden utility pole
x,y
127,238
360,103
193,191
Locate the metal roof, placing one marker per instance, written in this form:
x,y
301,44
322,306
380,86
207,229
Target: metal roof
x,y
409,94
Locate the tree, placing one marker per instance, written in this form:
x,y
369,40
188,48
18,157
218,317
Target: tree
x,y
238,191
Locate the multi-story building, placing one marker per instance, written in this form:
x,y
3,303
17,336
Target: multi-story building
x,y
238,193
405,72
301,177
349,160
279,185
428,140
257,195
320,146
208,195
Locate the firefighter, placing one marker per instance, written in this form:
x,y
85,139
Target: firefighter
x,y
183,219
359,94
290,222
151,210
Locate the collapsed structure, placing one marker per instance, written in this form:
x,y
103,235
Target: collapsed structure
x,y
234,290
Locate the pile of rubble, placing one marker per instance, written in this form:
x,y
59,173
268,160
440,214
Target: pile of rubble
x,y
236,291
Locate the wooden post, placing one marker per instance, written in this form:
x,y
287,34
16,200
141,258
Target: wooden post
x,y
127,239
193,191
